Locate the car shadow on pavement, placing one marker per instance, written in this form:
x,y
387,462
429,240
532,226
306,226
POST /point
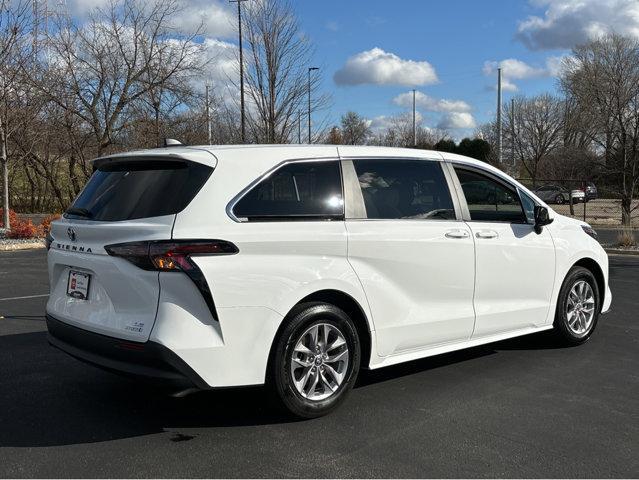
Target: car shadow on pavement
x,y
48,398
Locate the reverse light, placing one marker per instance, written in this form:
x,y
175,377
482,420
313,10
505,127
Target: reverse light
x,y
589,231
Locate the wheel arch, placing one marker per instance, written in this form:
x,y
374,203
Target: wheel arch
x,y
341,300
594,267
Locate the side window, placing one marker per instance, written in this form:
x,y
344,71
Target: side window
x,y
489,200
407,189
529,206
296,191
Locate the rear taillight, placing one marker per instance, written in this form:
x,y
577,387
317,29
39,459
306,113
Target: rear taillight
x,y
174,256
169,255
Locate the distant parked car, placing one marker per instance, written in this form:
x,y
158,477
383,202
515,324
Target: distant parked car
x,y
591,191
559,195
578,195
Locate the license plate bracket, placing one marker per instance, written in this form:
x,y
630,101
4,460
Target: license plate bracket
x,y
78,284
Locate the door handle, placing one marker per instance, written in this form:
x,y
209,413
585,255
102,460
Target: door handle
x,y
487,234
457,234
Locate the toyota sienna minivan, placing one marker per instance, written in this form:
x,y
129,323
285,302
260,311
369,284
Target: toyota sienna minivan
x,y
296,266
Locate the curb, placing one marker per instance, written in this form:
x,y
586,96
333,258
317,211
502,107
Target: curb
x,y
621,251
12,247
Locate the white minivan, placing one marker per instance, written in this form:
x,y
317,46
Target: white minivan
x,y
296,266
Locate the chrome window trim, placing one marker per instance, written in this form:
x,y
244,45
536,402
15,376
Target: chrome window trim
x,y
359,209
231,205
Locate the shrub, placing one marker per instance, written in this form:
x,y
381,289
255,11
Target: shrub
x,y
23,229
626,238
45,226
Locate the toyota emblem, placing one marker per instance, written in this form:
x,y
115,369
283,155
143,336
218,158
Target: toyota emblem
x,y
71,233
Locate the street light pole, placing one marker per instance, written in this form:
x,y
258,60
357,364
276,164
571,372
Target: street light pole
x,y
208,116
499,126
299,126
310,69
239,26
414,122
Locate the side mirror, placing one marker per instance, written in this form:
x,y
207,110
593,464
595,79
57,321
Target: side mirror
x,y
541,218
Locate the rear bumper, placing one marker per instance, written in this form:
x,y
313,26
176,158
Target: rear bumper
x,y
149,359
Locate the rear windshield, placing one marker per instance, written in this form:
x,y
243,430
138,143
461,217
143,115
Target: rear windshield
x,y
130,190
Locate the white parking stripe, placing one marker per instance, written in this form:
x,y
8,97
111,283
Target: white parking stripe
x,y
22,298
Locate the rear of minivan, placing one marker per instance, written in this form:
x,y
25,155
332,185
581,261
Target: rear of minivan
x,y
106,256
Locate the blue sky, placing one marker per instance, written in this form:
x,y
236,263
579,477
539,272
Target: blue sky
x,y
455,37
373,51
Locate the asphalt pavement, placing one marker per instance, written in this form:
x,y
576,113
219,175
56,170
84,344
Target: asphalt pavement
x,y
526,407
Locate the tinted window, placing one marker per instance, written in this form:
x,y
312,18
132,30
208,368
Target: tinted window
x,y
130,190
409,189
529,206
299,190
489,200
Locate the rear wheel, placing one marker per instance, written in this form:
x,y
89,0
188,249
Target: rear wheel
x,y
559,199
316,360
578,306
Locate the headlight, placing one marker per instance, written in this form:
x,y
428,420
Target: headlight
x,y
590,231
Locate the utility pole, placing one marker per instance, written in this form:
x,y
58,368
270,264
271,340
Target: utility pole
x,y
414,121
512,133
310,69
208,116
499,132
299,126
239,26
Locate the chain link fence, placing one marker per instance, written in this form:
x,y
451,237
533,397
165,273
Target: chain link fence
x,y
586,200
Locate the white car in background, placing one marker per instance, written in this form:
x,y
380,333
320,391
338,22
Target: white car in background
x,y
296,266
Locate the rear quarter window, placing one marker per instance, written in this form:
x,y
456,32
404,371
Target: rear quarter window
x,y
131,190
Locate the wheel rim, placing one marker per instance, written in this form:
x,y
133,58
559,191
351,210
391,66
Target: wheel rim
x,y
580,307
319,362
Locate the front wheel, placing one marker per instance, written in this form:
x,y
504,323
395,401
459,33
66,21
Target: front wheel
x,y
316,360
578,306
559,199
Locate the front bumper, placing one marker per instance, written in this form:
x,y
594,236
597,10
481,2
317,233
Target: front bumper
x,y
148,359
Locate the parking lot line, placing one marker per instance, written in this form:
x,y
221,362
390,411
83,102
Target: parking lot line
x,y
25,297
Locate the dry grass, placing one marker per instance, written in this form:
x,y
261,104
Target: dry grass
x,y
626,238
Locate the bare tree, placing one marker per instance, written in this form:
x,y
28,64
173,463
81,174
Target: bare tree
x,y
13,20
533,130
399,133
122,60
355,129
602,77
276,71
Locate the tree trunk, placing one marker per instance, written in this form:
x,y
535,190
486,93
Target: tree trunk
x,y
626,202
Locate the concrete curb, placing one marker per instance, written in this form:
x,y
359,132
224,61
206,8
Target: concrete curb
x,y
12,247
622,251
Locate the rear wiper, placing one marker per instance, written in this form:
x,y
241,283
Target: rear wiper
x,y
80,212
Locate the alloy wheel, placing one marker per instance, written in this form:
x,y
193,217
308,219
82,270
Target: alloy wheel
x,y
319,362
580,307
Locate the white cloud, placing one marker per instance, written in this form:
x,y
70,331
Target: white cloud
x,y
217,17
566,23
431,104
454,120
384,68
513,69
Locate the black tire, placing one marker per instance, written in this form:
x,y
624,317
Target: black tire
x,y
301,320
562,326
559,199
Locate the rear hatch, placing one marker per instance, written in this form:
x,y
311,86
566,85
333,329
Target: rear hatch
x,y
126,200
